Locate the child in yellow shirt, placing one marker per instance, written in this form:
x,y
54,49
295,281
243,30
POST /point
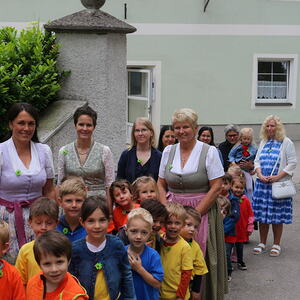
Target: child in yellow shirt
x,y
199,266
43,216
176,256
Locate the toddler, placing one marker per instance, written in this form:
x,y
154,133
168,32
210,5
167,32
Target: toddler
x,y
121,195
11,285
100,261
52,251
223,201
145,262
237,190
43,216
176,256
72,194
244,152
144,187
199,266
244,227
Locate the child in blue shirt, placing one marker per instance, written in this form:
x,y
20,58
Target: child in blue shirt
x,y
72,194
145,262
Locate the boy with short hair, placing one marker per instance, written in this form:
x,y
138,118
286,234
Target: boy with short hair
x,y
159,214
11,285
145,262
72,194
199,266
52,251
176,256
43,216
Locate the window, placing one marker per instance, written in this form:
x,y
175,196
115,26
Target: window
x,y
274,79
140,93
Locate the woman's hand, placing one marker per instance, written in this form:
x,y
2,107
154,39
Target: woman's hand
x,y
273,178
263,178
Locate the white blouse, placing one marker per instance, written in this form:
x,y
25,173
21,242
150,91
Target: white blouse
x,y
213,163
34,166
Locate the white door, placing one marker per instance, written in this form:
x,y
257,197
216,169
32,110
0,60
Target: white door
x,y
140,87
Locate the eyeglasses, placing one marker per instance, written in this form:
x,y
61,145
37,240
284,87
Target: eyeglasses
x,y
232,135
144,130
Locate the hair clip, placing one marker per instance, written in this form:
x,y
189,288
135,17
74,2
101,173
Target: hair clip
x,y
98,266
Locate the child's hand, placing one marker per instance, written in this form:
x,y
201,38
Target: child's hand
x,y
135,262
195,296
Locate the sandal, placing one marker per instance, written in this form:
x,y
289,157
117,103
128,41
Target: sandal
x,y
275,251
259,249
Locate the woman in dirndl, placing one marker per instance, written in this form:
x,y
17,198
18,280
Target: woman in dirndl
x,y
191,174
26,173
268,210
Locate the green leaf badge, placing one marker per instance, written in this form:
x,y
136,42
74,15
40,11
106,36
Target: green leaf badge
x,y
1,273
65,230
98,266
18,172
65,152
139,161
170,167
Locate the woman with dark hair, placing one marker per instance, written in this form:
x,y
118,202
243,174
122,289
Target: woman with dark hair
x,y
166,137
142,159
206,135
86,158
26,173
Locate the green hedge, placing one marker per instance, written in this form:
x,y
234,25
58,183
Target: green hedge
x,y
28,70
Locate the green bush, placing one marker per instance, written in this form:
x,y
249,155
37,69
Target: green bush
x,y
28,70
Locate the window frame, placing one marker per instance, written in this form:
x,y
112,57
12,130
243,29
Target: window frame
x,y
292,80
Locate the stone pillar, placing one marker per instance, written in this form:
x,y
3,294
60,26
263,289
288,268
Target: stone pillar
x,y
93,47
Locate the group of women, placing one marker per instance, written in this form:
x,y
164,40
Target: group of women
x,y
188,170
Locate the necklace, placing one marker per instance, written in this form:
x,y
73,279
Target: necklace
x,y
83,153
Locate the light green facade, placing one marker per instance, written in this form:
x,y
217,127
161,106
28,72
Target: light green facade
x,y
211,73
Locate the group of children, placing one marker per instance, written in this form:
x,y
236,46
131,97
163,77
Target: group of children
x,y
238,217
73,256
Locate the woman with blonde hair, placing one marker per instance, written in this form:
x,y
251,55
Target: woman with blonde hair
x,y
275,161
191,174
142,159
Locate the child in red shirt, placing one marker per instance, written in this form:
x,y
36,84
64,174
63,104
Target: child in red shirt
x,y
11,285
121,195
244,227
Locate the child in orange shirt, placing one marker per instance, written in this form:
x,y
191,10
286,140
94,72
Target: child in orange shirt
x,y
52,251
144,187
121,195
11,285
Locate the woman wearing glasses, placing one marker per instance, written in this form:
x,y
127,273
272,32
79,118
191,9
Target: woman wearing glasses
x,y
232,137
141,159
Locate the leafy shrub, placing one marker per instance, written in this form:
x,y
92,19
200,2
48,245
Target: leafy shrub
x,y
28,70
